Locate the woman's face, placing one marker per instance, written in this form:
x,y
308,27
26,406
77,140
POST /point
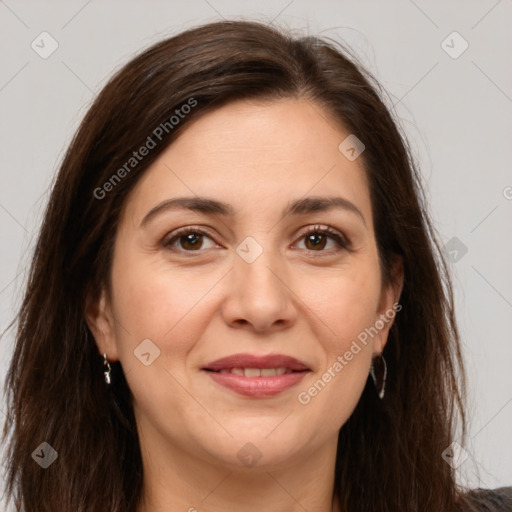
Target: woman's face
x,y
243,270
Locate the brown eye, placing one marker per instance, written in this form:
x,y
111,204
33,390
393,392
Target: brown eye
x,y
316,241
192,241
188,240
318,238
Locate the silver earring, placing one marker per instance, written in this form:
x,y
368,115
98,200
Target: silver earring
x,y
383,369
106,366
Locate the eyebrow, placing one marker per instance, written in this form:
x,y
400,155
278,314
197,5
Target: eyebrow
x,y
214,207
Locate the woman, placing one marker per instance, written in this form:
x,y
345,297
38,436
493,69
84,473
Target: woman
x,y
237,301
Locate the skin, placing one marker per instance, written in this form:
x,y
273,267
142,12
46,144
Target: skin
x,y
299,299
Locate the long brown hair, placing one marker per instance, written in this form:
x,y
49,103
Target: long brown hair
x,y
389,451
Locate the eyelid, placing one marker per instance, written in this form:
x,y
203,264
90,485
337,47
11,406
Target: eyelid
x,y
339,238
166,242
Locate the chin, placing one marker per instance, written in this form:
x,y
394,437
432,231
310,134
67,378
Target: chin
x,y
262,447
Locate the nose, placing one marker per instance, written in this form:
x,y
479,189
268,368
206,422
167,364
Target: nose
x,y
259,297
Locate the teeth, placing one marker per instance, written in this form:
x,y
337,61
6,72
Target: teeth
x,y
256,372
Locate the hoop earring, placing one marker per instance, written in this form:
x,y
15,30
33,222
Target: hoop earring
x,y
383,371
107,369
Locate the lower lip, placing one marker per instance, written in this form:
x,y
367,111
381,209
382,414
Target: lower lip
x,y
257,387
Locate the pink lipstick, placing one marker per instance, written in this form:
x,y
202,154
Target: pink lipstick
x,y
257,376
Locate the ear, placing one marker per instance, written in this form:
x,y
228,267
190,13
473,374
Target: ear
x,y
100,320
388,305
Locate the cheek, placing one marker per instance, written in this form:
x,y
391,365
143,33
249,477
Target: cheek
x,y
168,308
345,302
155,301
344,305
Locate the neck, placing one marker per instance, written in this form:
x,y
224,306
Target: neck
x,y
176,481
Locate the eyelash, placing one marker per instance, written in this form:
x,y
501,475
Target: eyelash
x,y
342,242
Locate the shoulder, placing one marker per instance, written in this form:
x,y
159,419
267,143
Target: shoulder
x,y
490,500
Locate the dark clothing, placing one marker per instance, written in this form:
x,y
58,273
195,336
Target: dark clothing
x,y
492,500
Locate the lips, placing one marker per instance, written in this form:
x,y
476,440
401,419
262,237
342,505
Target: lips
x,y
261,362
257,376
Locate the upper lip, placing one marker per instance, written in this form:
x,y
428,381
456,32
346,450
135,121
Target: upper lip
x,y
253,361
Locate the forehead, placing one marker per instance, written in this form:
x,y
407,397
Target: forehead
x,y
251,153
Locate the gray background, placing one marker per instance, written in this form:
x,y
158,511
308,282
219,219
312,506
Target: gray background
x,y
455,111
